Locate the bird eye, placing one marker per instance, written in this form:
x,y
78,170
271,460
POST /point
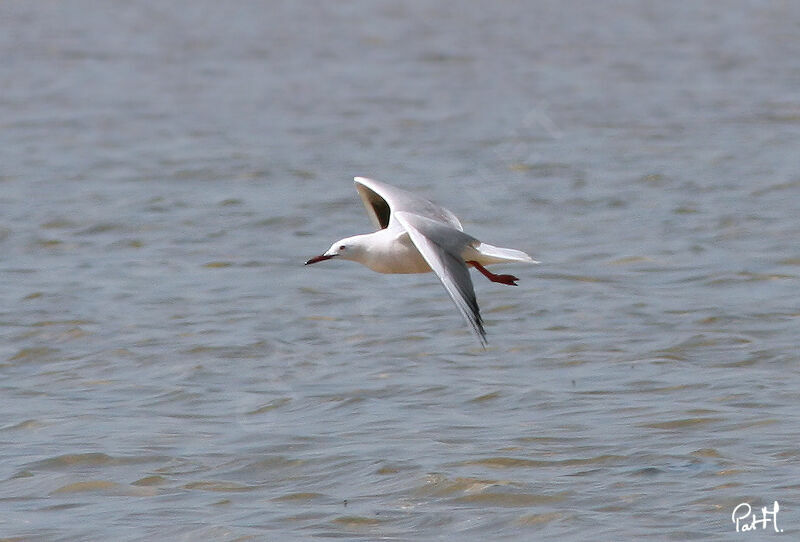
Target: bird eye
x,y
342,247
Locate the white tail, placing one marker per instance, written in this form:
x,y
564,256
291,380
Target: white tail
x,y
489,254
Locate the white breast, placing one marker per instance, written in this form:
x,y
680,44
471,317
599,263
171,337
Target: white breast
x,y
397,254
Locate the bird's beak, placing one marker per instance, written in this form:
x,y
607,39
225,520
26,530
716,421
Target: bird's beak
x,y
320,258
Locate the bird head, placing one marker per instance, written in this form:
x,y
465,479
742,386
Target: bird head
x,y
348,248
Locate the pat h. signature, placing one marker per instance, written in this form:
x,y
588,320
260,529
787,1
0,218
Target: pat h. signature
x,y
746,520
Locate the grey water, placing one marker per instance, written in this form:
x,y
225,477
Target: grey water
x,y
169,369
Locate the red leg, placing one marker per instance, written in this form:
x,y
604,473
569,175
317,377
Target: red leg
x,y
511,280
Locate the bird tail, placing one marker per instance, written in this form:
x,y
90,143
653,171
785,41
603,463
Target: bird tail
x,y
492,254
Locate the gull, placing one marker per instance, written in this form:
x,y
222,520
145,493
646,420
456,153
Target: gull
x,y
417,236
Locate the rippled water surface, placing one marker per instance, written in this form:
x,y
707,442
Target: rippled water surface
x,y
169,370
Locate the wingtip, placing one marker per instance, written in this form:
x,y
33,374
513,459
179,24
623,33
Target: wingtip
x,y
478,329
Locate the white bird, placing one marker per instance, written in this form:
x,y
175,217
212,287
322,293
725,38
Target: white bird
x,y
418,236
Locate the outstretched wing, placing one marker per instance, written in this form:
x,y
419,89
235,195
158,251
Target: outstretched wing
x,y
441,246
382,200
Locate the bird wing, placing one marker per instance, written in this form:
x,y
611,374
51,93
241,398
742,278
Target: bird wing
x,y
441,246
383,200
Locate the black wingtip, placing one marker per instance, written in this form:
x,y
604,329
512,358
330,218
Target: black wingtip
x,y
477,327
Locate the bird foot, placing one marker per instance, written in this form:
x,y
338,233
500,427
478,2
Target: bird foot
x,y
510,280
